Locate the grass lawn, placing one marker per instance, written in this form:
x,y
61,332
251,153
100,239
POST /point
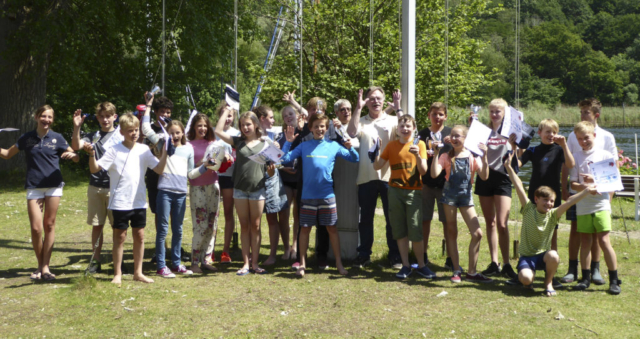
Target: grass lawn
x,y
367,303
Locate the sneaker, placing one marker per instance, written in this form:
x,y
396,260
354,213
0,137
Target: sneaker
x,y
165,272
361,262
404,272
492,269
478,278
556,284
582,285
395,262
183,270
513,282
225,258
322,264
596,278
425,272
295,266
95,267
614,287
448,264
569,277
456,277
508,271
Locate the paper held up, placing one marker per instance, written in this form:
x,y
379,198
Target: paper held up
x,y
8,129
478,133
512,123
232,97
606,176
215,152
269,154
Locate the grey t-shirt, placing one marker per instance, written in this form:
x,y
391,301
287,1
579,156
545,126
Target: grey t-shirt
x,y
497,146
248,175
98,139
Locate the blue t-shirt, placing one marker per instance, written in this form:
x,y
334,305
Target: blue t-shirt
x,y
318,158
43,158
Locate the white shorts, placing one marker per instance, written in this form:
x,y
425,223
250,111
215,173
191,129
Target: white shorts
x,y
40,193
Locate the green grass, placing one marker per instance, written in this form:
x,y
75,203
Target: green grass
x,y
367,303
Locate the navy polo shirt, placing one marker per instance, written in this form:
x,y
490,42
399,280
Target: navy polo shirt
x,y
43,158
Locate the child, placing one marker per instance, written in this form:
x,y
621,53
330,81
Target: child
x,y
594,213
407,161
547,160
318,203
276,206
539,220
43,148
98,190
495,192
459,165
432,188
248,185
172,191
590,110
126,163
225,181
204,198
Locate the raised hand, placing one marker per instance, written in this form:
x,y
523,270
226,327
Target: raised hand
x,y
360,103
148,97
289,97
415,150
483,148
337,123
507,163
512,141
560,140
78,119
290,133
397,97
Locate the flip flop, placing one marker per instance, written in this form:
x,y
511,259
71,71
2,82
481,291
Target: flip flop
x,y
242,272
550,293
49,277
298,271
36,275
260,270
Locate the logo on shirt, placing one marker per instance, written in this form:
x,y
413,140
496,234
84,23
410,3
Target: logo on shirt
x,y
54,141
545,159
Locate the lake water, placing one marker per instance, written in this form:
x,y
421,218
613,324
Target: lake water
x,y
624,140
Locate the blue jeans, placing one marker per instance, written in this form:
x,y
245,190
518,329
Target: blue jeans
x,y
368,198
174,204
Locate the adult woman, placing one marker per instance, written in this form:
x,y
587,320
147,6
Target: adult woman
x,y
44,148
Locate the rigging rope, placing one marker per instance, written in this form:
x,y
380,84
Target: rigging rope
x,y
370,42
446,53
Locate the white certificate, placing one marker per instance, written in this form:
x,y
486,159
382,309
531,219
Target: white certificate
x,y
606,176
268,153
216,152
8,129
478,133
512,123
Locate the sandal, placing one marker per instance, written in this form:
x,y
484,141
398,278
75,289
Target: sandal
x,y
242,272
48,277
550,293
300,271
36,275
260,270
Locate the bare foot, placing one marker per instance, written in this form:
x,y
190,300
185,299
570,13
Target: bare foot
x,y
300,271
270,261
195,268
117,280
209,267
342,271
142,278
293,255
286,254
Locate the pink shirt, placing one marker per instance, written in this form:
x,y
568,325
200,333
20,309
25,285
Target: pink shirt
x,y
209,177
445,162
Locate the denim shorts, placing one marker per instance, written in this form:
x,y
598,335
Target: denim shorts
x,y
533,263
257,195
457,199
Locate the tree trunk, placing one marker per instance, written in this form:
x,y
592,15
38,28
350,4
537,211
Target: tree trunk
x,y
23,85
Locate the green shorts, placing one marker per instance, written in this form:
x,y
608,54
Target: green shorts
x,y
405,213
594,222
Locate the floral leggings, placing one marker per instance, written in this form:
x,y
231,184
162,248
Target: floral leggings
x,y
204,201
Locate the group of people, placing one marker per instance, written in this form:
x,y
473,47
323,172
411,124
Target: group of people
x,y
378,155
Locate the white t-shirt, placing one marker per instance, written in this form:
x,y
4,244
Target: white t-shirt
x,y
229,150
604,141
126,169
384,127
591,203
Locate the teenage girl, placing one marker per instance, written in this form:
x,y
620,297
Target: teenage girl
x,y
248,184
204,196
225,180
459,166
171,200
44,148
495,192
277,209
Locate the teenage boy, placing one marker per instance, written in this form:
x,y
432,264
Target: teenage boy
x,y
590,110
594,213
539,220
432,188
126,163
98,190
371,182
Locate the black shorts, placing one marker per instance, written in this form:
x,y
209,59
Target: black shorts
x,y
292,185
497,184
152,189
225,182
137,217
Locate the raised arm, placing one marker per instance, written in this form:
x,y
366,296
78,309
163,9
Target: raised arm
x,y
421,163
522,195
590,189
569,161
148,132
93,164
352,129
159,169
436,168
220,133
7,154
78,119
290,97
